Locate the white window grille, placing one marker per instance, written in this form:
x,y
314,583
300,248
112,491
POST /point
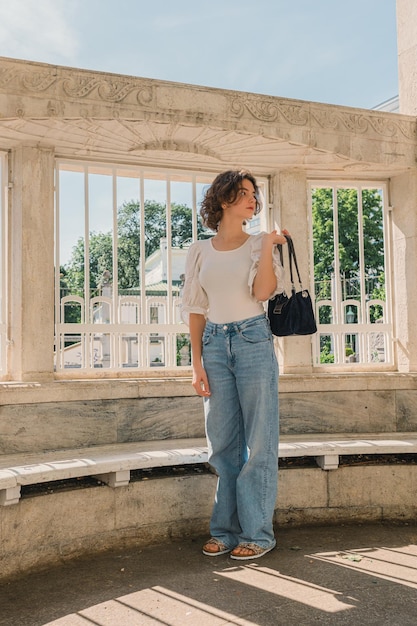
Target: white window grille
x,y
122,235
352,288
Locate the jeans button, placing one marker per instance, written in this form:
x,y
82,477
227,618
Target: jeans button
x,y
225,327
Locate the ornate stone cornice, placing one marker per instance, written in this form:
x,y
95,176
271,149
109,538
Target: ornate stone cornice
x,y
325,117
159,116
265,110
66,83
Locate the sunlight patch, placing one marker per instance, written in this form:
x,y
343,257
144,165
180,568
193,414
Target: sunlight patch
x,y
397,564
157,605
296,589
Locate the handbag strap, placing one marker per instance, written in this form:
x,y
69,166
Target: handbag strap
x,y
291,257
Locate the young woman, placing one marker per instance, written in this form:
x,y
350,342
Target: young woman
x,y
227,278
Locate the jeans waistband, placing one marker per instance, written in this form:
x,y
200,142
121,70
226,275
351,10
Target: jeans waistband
x,y
234,326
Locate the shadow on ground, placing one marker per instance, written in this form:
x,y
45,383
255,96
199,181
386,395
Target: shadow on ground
x,y
350,575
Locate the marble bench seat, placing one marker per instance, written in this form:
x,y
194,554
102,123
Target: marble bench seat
x,y
327,452
110,464
113,463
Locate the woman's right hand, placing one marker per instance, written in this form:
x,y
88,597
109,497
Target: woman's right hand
x,y
200,381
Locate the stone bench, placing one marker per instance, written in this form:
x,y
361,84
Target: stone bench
x,y
110,464
327,452
113,463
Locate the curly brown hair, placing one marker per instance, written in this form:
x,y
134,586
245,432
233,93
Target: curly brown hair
x,y
225,188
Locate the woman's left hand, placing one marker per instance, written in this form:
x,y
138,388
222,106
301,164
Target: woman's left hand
x,y
277,238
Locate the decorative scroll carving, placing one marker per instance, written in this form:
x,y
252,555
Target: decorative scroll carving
x,y
408,130
268,111
109,91
115,92
145,95
326,119
61,83
306,114
354,122
361,123
77,86
237,107
38,81
296,114
265,111
383,126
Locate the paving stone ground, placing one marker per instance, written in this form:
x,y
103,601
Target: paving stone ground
x,y
336,575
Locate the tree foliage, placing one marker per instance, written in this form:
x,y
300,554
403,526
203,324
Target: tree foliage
x,y
352,267
348,239
348,235
128,245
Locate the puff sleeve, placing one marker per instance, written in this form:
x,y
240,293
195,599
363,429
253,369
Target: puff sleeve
x,y
256,246
194,298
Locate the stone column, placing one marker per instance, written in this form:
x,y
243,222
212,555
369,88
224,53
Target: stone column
x,y
291,212
404,254
407,55
31,264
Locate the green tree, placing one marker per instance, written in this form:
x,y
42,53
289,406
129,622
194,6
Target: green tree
x,y
348,241
323,226
323,238
100,252
128,244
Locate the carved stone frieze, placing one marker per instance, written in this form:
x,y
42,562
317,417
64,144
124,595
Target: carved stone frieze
x,y
270,111
138,111
38,81
109,89
360,122
325,117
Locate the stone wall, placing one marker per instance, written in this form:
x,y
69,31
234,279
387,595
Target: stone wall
x,y
80,414
43,530
59,425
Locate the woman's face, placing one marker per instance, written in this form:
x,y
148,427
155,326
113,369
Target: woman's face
x,y
245,204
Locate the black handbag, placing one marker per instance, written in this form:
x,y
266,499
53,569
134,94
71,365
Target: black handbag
x,y
292,315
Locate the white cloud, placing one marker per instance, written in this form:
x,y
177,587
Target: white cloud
x,y
38,30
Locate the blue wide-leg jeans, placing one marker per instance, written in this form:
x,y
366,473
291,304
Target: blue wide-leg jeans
x,y
242,429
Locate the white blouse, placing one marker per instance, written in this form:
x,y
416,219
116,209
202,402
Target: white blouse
x,y
219,284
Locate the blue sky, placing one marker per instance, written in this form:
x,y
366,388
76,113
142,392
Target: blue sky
x,y
323,50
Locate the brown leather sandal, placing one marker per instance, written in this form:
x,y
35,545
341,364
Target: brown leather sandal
x,y
251,551
213,542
